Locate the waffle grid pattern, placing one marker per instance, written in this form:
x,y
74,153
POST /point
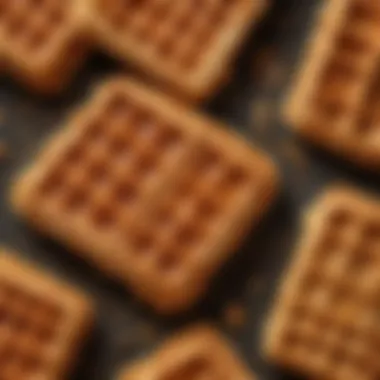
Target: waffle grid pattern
x,y
193,208
43,41
325,321
32,24
347,80
40,41
188,44
39,332
101,176
338,85
154,186
179,32
195,354
29,327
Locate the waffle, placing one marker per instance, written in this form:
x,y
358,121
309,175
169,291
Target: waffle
x,y
187,44
42,323
336,97
40,41
149,191
195,354
325,320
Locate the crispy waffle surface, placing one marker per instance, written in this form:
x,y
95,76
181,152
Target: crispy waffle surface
x,y
41,41
189,44
151,192
335,100
42,322
325,319
198,353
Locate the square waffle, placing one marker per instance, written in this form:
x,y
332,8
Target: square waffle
x,y
198,353
41,41
336,98
187,44
151,192
42,323
325,321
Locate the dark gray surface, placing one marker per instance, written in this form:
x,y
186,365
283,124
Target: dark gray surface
x,y
124,329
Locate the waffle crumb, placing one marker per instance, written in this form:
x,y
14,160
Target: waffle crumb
x,y
277,74
256,284
2,116
147,333
3,150
234,315
268,70
294,153
262,114
261,61
141,336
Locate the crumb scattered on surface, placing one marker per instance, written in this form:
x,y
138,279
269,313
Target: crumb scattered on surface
x,y
261,60
139,336
256,284
294,153
2,115
262,113
126,341
268,69
276,75
234,315
3,150
148,334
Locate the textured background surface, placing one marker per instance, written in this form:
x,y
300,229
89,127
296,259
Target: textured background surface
x,y
251,103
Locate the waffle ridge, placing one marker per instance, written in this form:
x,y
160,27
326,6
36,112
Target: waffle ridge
x,y
335,96
147,190
42,322
196,353
187,45
324,320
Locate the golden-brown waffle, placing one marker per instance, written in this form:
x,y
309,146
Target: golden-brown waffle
x,y
189,44
41,41
197,353
335,100
42,323
325,320
148,190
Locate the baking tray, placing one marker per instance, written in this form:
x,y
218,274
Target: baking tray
x,y
124,329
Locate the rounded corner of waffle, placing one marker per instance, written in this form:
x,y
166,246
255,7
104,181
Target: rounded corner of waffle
x,y
194,352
